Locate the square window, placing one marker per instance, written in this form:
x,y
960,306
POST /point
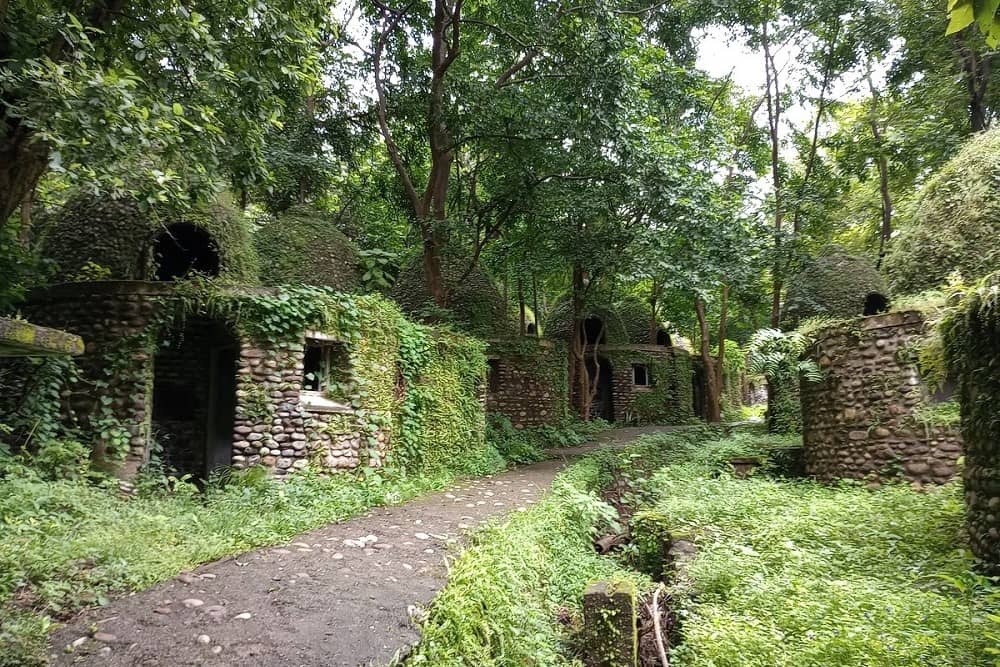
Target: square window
x,y
324,364
640,375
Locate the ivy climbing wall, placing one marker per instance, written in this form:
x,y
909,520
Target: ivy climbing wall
x,y
669,397
863,421
528,381
972,342
406,395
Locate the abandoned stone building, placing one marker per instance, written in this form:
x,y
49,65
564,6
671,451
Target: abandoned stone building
x,y
188,373
868,417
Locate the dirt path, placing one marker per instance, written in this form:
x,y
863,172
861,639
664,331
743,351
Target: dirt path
x,y
342,594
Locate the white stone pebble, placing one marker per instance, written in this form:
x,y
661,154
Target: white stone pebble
x,y
191,603
204,639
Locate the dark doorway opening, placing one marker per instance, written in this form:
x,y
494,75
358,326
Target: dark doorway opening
x,y
184,249
194,398
876,303
698,388
603,404
531,330
593,331
663,338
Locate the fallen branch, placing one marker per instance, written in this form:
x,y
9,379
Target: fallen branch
x,y
658,631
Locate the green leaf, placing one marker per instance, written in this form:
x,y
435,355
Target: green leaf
x,y
178,109
962,15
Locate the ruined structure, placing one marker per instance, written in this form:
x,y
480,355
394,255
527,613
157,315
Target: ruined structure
x,y
201,376
867,418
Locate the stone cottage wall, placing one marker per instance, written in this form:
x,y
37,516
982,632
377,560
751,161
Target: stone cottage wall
x,y
528,381
271,425
274,428
858,422
110,317
669,399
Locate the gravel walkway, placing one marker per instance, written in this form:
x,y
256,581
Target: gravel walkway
x,y
343,594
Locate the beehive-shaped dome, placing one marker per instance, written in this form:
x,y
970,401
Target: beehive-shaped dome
x,y
115,239
303,246
954,223
474,303
837,285
598,317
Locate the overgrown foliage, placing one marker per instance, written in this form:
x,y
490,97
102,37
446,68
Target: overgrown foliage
x,y
776,356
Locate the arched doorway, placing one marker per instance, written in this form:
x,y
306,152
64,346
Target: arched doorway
x,y
594,331
876,303
194,397
663,338
183,249
603,404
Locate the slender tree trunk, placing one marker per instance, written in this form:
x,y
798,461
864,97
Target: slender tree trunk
x,y
976,73
654,301
23,161
24,231
578,365
713,409
521,306
772,94
534,305
723,323
882,162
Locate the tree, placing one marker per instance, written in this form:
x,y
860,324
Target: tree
x,y
152,99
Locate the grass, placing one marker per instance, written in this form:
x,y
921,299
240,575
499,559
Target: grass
x,y
65,545
788,572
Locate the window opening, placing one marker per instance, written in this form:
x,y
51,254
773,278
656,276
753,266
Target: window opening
x,y
640,375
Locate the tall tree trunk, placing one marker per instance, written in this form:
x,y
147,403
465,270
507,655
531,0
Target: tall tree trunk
x,y
23,161
578,365
772,95
976,73
720,358
882,162
654,301
713,408
24,231
534,305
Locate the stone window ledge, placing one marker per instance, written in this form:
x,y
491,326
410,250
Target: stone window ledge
x,y
315,401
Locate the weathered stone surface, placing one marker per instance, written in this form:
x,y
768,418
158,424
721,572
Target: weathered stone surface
x,y
858,422
22,339
610,637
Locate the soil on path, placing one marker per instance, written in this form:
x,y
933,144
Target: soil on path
x,y
343,594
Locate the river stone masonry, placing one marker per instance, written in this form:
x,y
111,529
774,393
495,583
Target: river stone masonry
x,y
859,421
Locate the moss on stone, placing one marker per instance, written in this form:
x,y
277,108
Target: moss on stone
x,y
20,338
833,285
559,323
302,246
954,223
475,305
96,237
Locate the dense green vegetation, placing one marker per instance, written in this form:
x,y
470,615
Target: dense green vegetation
x,y
787,572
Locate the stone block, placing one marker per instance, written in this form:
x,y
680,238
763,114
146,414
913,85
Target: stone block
x,y
610,636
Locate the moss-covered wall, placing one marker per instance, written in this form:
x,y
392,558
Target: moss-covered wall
x,y
833,285
99,238
301,246
411,396
972,340
475,305
559,322
669,398
528,381
954,225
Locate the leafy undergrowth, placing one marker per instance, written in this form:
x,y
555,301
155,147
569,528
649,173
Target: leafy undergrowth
x,y
65,545
527,445
506,590
796,573
788,572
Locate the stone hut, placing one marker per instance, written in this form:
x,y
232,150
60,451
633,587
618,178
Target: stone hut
x,y
864,420
640,377
201,375
837,285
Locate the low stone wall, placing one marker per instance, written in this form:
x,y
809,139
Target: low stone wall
x,y
859,421
528,381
